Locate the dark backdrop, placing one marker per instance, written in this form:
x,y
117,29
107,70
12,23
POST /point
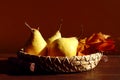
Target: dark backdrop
x,y
94,15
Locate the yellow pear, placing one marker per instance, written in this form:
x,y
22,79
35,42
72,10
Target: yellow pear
x,y
57,35
36,44
63,47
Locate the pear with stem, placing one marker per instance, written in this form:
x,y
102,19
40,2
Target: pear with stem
x,y
57,35
36,43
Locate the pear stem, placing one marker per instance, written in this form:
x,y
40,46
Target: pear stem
x,y
60,24
60,27
81,31
28,25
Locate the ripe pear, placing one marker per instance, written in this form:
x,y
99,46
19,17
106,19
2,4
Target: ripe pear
x,y
36,43
57,35
63,47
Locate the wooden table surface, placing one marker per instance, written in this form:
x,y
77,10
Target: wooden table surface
x,y
109,70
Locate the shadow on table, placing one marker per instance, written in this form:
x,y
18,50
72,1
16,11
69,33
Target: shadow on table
x,y
14,66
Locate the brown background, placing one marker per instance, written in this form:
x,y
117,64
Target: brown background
x,y
94,15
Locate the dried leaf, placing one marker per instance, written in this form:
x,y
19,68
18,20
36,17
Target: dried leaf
x,y
97,42
106,46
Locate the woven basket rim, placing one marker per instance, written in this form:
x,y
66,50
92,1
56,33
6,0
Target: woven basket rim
x,y
63,64
24,53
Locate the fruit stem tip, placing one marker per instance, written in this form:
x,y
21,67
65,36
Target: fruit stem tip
x,y
28,25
